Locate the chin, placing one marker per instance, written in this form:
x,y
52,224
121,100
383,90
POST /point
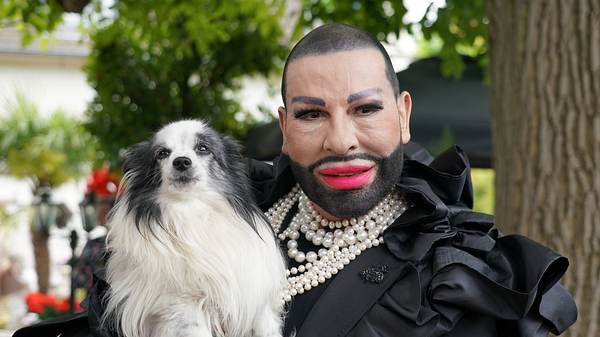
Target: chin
x,y
190,253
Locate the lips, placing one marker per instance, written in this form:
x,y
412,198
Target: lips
x,y
347,177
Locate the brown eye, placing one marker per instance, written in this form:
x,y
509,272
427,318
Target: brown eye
x,y
201,149
368,109
162,154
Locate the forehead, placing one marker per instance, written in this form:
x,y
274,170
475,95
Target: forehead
x,y
181,133
338,73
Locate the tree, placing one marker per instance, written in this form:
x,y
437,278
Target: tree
x,y
161,61
47,152
545,81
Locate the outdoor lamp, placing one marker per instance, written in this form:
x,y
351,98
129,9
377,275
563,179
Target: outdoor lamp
x,y
45,212
87,209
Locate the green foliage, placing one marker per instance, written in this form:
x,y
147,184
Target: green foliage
x,y
50,151
483,190
380,18
32,18
459,28
161,61
462,26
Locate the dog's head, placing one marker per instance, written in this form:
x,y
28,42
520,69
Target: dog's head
x,y
185,160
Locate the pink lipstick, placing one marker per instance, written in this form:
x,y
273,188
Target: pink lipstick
x,y
347,177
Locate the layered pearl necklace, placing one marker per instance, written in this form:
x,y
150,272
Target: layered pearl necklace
x,y
342,241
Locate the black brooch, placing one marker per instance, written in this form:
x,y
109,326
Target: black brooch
x,y
374,274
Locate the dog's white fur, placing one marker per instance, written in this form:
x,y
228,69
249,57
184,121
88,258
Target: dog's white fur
x,y
207,273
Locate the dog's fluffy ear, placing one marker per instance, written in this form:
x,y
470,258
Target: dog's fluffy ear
x,y
138,156
142,178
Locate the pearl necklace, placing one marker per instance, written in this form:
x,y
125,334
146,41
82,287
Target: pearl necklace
x,y
344,241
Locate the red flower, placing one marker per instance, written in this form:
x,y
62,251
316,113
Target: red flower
x,y
102,183
37,302
63,306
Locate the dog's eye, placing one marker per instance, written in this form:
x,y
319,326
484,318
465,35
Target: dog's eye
x,y
201,149
162,154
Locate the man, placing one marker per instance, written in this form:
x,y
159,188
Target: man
x,y
380,237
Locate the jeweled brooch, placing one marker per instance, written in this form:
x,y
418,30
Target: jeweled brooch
x,y
374,274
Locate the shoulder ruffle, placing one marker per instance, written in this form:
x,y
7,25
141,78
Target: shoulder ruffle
x,y
458,266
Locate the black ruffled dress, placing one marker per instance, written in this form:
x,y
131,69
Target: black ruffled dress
x,y
443,271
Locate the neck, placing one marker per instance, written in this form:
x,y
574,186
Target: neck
x,y
325,214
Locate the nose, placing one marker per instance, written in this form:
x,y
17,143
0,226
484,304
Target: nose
x,y
182,163
341,135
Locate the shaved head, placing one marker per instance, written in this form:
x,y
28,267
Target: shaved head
x,y
337,37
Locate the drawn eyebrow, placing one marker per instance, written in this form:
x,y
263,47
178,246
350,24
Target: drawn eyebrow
x,y
309,100
364,93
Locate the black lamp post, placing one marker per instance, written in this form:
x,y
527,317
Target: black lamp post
x,y
48,214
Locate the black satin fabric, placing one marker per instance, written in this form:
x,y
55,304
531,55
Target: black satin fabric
x,y
449,273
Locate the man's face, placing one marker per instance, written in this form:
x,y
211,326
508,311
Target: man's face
x,y
343,129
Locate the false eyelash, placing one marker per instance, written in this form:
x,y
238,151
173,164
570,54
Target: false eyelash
x,y
303,112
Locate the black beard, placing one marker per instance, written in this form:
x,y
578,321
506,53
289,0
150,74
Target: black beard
x,y
351,203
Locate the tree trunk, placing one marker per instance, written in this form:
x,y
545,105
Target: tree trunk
x,y
42,257
545,96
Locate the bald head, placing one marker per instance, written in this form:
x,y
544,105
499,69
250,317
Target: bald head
x,y
337,37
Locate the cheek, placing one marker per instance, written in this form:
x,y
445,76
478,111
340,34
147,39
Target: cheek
x,y
304,141
379,135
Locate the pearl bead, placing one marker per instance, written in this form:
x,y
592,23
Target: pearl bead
x,y
362,235
300,257
292,252
370,225
294,235
311,256
292,244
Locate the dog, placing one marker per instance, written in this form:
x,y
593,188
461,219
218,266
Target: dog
x,y
190,253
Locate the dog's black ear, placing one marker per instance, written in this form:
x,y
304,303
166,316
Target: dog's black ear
x,y
143,177
138,156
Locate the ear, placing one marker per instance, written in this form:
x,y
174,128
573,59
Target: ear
x,y
282,125
404,103
138,156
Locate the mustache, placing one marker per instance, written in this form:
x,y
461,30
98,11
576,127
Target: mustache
x,y
335,159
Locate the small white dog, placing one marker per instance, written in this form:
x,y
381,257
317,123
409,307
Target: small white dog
x,y
190,253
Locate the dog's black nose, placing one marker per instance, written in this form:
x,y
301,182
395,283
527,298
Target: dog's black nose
x,y
182,163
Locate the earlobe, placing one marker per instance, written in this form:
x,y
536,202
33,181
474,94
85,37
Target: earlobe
x,y
404,103
282,112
